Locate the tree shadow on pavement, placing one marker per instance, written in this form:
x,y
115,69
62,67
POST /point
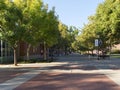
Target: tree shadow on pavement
x,y
66,81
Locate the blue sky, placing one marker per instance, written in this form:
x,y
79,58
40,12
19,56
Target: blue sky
x,y
74,12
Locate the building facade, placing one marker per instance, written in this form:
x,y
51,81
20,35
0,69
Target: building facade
x,y
6,53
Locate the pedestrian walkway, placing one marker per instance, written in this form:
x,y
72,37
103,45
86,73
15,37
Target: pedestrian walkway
x,y
73,72
16,81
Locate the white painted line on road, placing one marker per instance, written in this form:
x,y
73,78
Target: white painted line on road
x,y
17,81
115,76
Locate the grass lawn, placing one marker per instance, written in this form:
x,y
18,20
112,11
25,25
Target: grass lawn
x,y
115,55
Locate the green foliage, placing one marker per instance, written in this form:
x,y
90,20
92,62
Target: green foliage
x,y
87,37
67,37
12,28
28,21
50,32
103,25
108,15
32,20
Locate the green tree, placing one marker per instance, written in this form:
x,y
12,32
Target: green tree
x,y
50,32
67,37
105,25
87,37
33,20
63,42
12,27
108,19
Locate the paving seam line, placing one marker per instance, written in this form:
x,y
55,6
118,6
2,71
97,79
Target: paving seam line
x,y
17,81
114,76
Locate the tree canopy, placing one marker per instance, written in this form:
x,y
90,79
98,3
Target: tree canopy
x,y
29,21
104,25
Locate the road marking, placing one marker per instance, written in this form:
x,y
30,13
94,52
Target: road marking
x,y
114,75
17,81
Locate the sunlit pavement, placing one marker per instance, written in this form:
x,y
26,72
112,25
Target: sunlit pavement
x,y
73,72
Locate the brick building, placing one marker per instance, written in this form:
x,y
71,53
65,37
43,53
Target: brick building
x,y
6,53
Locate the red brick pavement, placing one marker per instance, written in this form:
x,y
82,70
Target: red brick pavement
x,y
68,81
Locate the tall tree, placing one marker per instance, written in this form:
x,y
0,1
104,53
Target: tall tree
x,y
108,19
105,25
50,32
12,27
33,20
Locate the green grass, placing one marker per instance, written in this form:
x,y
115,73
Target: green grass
x,y
115,56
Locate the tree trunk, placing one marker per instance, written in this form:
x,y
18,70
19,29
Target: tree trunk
x,y
44,52
15,57
92,52
28,52
65,50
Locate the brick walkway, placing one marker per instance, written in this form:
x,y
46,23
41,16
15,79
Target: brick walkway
x,y
69,73
8,74
65,81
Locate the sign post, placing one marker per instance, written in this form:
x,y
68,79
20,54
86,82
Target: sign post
x,y
96,42
97,45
